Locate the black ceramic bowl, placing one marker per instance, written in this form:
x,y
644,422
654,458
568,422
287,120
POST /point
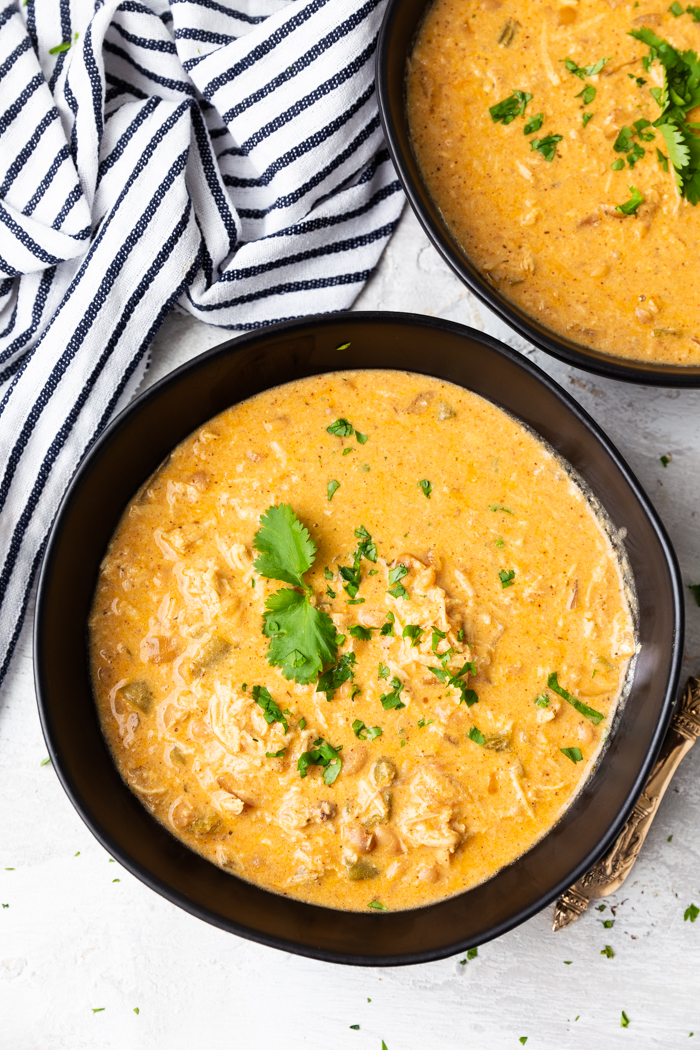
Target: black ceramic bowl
x,y
126,455
402,20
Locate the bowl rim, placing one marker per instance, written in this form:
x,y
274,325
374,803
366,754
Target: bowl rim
x,y
625,369
174,896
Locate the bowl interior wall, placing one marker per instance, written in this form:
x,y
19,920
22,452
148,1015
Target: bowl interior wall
x,y
133,448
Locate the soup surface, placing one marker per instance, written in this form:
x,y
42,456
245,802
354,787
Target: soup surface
x,y
531,189
451,579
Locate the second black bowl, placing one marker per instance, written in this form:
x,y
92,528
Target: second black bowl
x,y
131,449
402,20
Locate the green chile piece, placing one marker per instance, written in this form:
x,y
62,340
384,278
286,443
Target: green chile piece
x,y
138,695
210,654
361,869
383,772
497,742
204,825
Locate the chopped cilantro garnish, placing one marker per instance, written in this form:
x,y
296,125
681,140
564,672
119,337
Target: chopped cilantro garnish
x,y
607,950
363,634
510,108
332,679
630,206
476,736
460,635
665,460
588,712
573,753
542,700
623,142
330,593
302,723
425,487
352,575
341,428
95,1009
355,1027
437,636
618,165
379,907
363,732
362,438
640,126
584,71
504,509
691,913
676,9
466,696
547,147
585,118
587,95
522,1039
270,710
507,577
383,671
533,124
694,11
396,574
275,754
624,1019
695,588
414,632
348,450
388,627
46,761
332,488
663,161
328,574
392,700
472,953
422,723
322,754
366,548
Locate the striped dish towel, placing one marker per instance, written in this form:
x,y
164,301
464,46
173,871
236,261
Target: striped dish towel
x,y
223,155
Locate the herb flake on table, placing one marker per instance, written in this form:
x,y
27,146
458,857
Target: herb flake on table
x,y
355,1027
392,701
533,124
455,681
508,109
321,754
45,761
665,460
608,924
523,1039
608,952
547,147
425,487
691,913
588,712
695,588
65,46
573,753
624,1019
271,712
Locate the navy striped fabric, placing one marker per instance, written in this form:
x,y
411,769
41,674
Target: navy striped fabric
x,y
223,155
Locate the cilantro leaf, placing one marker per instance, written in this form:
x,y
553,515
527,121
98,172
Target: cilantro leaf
x,y
275,754
533,124
303,638
331,489
588,712
425,487
691,913
694,11
366,548
363,732
618,165
476,736
542,700
587,95
508,109
630,206
607,950
363,634
321,754
585,118
414,632
676,9
332,679
584,71
341,428
624,1020
388,627
378,906
270,710
573,753
546,146
663,161
286,549
507,577
392,701
65,46
384,671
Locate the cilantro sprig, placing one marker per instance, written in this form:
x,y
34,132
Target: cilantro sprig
x,y
302,638
352,575
584,71
456,680
270,710
546,146
344,428
680,93
322,754
392,701
332,679
363,732
630,206
397,590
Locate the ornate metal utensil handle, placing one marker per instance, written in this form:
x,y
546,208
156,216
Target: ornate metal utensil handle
x,y
608,874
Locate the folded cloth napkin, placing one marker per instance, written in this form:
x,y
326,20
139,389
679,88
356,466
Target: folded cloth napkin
x,y
224,155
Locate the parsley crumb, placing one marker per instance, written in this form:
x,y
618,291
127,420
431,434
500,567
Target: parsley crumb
x,y
378,906
136,1010
608,924
98,1009
343,346
607,951
573,753
676,9
546,146
568,962
6,905
355,1027
665,460
472,953
425,487
45,761
669,838
695,588
601,907
332,488
476,736
691,912
624,1020
523,1039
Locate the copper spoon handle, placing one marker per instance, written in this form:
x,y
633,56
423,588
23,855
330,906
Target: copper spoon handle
x,y
608,874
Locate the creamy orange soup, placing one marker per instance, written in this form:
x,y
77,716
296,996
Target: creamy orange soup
x,y
534,201
474,607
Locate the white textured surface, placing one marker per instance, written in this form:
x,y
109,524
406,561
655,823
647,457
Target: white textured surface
x,y
78,933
